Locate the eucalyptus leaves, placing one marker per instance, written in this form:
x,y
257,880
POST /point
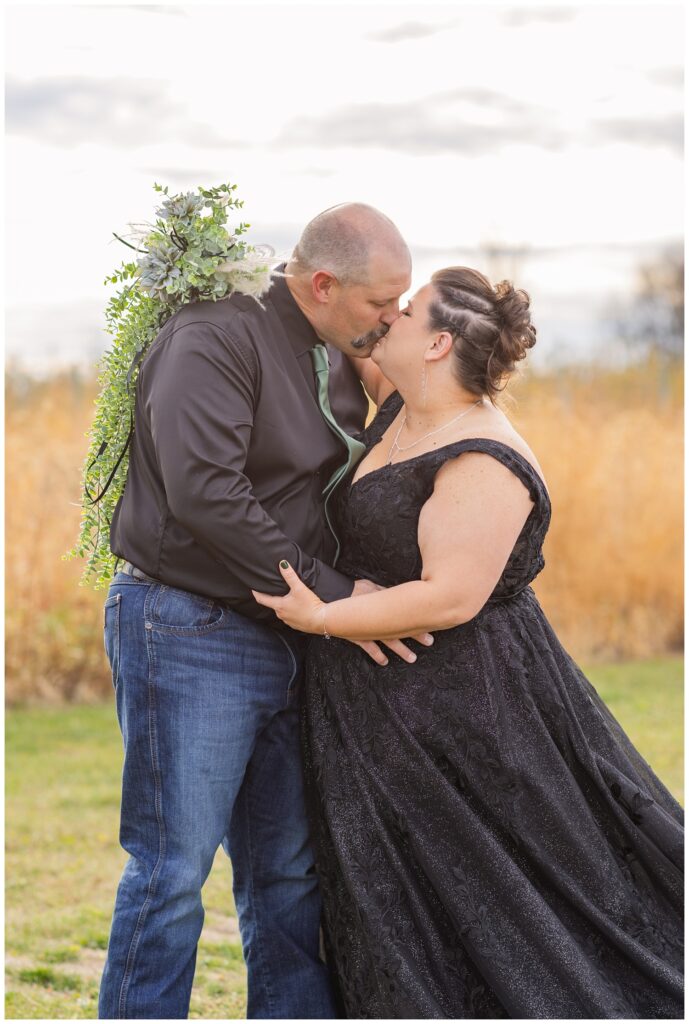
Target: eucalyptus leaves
x,y
187,254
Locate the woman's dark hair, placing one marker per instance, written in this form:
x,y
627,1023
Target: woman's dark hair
x,y
491,327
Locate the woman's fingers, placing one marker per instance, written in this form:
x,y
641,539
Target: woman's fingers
x,y
290,577
267,600
400,648
297,589
373,650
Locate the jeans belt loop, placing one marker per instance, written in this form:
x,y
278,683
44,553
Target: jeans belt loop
x,y
131,570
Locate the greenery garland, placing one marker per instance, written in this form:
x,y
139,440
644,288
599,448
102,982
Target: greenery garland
x,y
187,255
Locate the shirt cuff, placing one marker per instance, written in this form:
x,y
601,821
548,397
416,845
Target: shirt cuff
x,y
331,585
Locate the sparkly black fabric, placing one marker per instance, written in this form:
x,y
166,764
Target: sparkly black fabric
x,y
489,842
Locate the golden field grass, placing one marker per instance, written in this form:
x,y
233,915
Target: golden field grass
x,y
610,447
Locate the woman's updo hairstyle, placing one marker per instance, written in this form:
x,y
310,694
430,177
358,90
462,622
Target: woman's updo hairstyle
x,y
491,327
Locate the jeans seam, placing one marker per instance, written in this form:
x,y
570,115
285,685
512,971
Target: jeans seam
x,y
267,987
293,660
130,962
115,665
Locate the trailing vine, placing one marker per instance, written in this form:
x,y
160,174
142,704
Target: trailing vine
x,y
187,254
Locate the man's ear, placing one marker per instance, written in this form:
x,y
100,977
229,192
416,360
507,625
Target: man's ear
x,y
439,347
322,284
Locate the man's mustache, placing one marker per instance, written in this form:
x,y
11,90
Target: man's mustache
x,y
371,338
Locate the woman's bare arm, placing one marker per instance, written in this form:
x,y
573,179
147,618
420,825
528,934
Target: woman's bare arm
x,y
467,530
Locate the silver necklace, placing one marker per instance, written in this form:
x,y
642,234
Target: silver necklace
x,y
395,447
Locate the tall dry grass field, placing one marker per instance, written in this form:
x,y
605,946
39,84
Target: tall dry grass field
x,y
611,448
609,445
54,645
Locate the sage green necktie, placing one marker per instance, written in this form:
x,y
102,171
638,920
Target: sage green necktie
x,y
355,449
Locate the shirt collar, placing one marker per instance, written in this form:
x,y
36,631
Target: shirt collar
x,y
299,331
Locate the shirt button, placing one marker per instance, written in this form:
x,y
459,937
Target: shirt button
x,y
149,625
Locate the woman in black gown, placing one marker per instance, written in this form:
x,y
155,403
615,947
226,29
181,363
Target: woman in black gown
x,y
489,842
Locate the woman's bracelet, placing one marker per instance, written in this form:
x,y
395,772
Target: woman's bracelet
x,y
326,634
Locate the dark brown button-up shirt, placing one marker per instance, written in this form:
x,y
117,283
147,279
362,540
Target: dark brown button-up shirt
x,y
231,452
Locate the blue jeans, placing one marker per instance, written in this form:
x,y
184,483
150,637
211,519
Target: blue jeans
x,y
207,704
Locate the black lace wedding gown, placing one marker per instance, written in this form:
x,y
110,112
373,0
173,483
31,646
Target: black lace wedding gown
x,y
489,842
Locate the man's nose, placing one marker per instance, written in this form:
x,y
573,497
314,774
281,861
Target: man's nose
x,y
390,316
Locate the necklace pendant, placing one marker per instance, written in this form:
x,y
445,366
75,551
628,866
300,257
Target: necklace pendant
x,y
391,453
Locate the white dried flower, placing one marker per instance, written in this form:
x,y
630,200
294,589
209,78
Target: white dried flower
x,y
253,273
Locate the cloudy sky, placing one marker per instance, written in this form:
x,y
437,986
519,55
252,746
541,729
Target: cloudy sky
x,y
551,135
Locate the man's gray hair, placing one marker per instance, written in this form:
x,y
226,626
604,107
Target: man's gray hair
x,y
340,240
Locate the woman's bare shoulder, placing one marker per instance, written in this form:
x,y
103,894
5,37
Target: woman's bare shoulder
x,y
497,427
514,440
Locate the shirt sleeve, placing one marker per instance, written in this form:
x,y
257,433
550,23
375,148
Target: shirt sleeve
x,y
200,407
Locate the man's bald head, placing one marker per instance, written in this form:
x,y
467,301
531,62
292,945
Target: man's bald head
x,y
345,240
347,273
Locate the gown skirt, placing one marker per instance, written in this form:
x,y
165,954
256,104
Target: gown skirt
x,y
489,842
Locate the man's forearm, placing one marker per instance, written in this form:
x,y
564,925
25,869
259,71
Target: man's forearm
x,y
243,538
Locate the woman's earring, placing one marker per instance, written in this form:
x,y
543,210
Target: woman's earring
x,y
423,387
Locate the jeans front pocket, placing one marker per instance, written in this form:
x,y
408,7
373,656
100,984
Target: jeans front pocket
x,y
170,610
111,635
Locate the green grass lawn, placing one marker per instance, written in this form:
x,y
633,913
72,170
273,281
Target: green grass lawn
x,y
63,859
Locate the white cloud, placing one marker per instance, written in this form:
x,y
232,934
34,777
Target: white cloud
x,y
66,111
464,123
408,30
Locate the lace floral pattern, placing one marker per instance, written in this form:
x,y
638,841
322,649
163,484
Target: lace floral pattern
x,y
489,842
